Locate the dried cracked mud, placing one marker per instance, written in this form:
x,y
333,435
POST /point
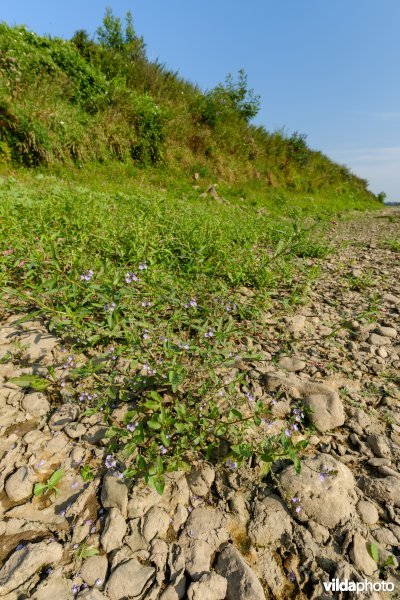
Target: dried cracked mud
x,y
217,534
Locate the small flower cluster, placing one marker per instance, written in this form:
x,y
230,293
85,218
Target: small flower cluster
x,y
85,396
209,333
69,363
298,507
191,304
130,277
87,276
110,307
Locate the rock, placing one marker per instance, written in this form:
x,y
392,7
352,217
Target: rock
x,y
296,324
27,561
270,522
136,541
242,581
379,340
391,298
129,579
91,595
55,588
327,499
206,524
114,493
269,569
198,558
96,435
319,532
368,512
155,523
385,489
379,446
19,486
389,332
200,480
62,416
75,430
360,556
35,404
211,587
114,530
292,364
169,593
93,569
327,408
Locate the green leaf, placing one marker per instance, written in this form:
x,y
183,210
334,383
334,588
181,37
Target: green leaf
x,y
39,489
88,552
373,552
39,384
151,404
153,424
55,477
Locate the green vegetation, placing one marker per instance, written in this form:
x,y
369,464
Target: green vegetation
x,y
107,230
50,485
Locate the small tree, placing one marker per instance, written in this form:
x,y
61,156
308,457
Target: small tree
x,y
237,96
112,34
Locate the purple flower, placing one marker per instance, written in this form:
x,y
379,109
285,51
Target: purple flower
x,y
192,303
292,577
75,588
131,427
295,499
142,267
110,461
287,432
163,449
129,277
323,476
87,276
231,464
98,582
110,307
250,396
298,509
209,333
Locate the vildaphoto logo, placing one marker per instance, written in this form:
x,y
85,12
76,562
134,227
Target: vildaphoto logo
x,y
345,585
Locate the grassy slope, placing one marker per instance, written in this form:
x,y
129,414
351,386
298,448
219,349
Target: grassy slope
x,y
113,189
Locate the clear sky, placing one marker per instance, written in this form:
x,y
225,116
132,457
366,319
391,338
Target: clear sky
x,y
326,68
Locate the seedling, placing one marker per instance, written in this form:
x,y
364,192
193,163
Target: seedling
x,y
87,473
51,485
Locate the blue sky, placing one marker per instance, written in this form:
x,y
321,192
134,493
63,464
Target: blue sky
x,y
329,69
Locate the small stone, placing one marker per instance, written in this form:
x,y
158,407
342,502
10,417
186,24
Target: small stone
x,y
379,340
129,579
368,512
323,491
27,561
200,480
114,493
93,569
198,558
114,530
379,446
36,404
62,416
55,587
296,324
155,523
385,489
210,586
389,332
75,430
360,556
382,352
19,486
292,364
270,522
242,581
326,406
